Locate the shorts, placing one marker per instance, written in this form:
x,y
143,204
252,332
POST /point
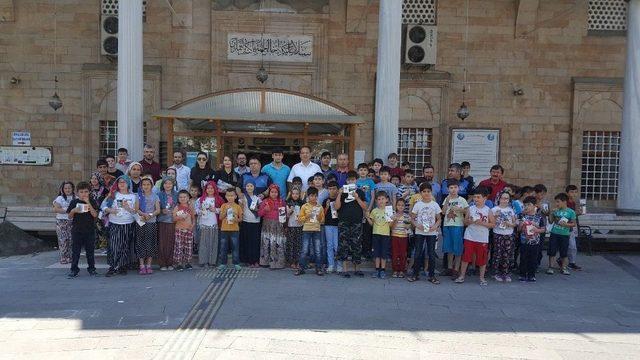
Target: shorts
x,y
452,239
381,246
558,243
480,250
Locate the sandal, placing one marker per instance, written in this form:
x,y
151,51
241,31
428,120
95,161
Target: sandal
x,y
395,275
401,275
458,280
483,282
412,279
434,281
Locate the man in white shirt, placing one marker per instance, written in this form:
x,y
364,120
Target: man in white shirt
x,y
183,172
304,169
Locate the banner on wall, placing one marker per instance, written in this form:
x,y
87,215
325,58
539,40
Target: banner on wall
x,y
21,155
270,47
480,147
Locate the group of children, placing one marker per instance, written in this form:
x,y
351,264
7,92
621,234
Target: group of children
x,y
328,225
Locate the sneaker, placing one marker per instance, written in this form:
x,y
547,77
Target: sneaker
x,y
72,275
565,272
237,267
531,279
383,274
423,273
458,280
573,266
346,275
330,269
299,272
338,269
93,273
483,282
507,279
164,268
522,279
549,271
222,267
179,268
319,272
170,268
188,267
358,273
497,278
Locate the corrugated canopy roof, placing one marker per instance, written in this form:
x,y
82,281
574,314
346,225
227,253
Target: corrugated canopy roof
x,y
265,105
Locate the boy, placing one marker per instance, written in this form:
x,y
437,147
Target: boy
x,y
531,225
102,166
572,192
111,167
350,214
394,169
563,219
330,228
367,186
425,216
540,192
123,162
325,163
385,186
407,188
230,217
376,165
311,216
406,165
466,169
395,180
454,210
323,194
82,212
381,237
479,219
318,183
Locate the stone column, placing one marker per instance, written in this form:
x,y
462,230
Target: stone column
x,y
629,175
130,95
385,134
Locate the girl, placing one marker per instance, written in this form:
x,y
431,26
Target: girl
x,y
207,209
400,229
230,228
294,228
250,228
120,206
147,207
66,193
273,240
184,216
166,228
98,193
227,178
171,172
503,237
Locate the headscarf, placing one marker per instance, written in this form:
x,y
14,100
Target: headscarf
x,y
216,195
99,192
141,197
249,180
114,189
162,195
132,165
278,202
61,190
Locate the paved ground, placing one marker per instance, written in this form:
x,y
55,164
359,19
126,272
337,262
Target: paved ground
x,y
593,314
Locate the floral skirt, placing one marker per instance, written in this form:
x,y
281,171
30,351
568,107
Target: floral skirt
x,y
63,230
272,244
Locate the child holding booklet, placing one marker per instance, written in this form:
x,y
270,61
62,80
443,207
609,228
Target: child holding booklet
x,y
250,227
83,212
503,237
273,240
312,217
232,215
381,235
66,194
351,206
207,210
185,219
120,206
147,208
531,224
425,216
166,228
294,227
400,230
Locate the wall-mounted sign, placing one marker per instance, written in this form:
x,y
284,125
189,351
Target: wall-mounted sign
x,y
21,138
275,47
480,147
21,155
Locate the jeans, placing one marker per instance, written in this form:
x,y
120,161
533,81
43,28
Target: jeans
x,y
78,240
307,238
423,242
331,236
225,237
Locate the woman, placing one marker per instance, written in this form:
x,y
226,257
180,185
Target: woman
x,y
202,172
227,175
134,173
98,193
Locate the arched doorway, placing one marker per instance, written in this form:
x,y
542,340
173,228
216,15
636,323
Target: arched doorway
x,y
257,121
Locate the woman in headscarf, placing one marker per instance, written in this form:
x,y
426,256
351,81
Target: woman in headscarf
x,y
166,228
273,240
134,173
120,206
98,193
207,208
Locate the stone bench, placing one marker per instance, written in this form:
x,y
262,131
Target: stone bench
x,y
609,228
29,218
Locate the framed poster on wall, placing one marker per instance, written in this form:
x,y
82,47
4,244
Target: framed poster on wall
x,y
24,155
480,147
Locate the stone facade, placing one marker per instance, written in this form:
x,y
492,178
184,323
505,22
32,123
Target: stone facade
x,y
541,47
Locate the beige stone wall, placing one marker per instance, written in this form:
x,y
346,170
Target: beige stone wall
x,y
538,48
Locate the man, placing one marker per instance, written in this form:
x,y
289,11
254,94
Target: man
x,y
241,160
149,166
111,167
495,182
455,172
123,160
305,168
278,172
392,163
261,179
183,172
342,169
325,163
428,176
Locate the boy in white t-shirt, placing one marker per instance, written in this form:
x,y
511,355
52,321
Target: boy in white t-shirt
x,y
479,219
425,216
454,208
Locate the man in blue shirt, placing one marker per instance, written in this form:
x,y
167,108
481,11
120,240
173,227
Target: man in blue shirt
x,y
278,172
261,179
342,169
455,172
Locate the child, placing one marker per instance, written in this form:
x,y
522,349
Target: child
x,y
425,216
294,227
376,166
250,228
367,186
563,219
454,209
407,188
540,192
147,207
195,193
119,205
66,194
185,219
387,187
466,174
83,229
311,216
331,227
479,219
273,241
572,193
351,208
318,183
395,180
229,230
323,194
380,237
400,230
371,174
503,237
531,224
166,228
207,210
406,166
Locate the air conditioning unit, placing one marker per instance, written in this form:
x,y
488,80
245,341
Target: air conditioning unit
x,y
421,44
109,35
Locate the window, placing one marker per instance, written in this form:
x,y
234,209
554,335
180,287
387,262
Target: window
x,y
108,141
607,16
414,146
419,12
600,162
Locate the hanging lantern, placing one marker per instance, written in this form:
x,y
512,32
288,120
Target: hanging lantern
x,y
463,111
55,101
262,75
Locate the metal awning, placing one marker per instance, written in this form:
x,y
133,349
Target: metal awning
x,y
260,105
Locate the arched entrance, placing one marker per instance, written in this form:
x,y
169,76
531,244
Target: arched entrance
x,y
257,121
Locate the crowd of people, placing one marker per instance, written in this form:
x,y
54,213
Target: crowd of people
x,y
278,217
